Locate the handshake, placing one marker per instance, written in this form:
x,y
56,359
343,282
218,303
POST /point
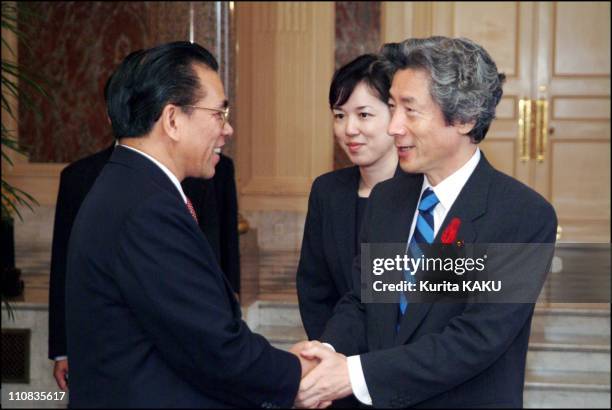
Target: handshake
x,y
325,375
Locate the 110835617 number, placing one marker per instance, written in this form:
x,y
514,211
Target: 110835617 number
x,y
36,395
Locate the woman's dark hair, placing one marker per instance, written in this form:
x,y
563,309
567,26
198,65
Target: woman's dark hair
x,y
147,80
364,68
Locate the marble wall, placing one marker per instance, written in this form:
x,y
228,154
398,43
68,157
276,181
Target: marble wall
x,y
33,236
72,51
358,31
277,230
72,47
76,50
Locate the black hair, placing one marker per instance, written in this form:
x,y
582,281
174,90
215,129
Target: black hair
x,y
364,68
147,80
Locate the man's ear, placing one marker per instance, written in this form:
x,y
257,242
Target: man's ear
x,y
466,127
170,121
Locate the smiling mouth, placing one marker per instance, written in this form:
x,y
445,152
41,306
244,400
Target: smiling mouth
x,y
405,148
354,148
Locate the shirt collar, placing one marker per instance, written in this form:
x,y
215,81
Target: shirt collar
x,y
448,190
172,177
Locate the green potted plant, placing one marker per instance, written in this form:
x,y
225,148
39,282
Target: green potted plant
x,y
16,83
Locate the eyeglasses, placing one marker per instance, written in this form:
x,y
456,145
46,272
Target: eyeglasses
x,y
224,112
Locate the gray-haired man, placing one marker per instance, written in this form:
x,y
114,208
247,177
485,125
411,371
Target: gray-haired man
x,y
443,98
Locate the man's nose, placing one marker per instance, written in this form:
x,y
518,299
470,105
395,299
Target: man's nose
x,y
397,126
228,130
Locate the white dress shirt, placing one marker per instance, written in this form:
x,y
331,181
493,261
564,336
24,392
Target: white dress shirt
x,y
447,192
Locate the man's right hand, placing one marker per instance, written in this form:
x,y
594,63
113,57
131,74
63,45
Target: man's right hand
x,y
307,364
60,372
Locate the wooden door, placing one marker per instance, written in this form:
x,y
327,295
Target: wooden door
x,y
573,75
509,41
557,53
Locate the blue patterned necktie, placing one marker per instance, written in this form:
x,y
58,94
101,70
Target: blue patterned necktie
x,y
423,233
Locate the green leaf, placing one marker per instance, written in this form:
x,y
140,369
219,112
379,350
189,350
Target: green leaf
x,y
18,83
7,203
7,107
13,28
8,47
21,75
8,308
6,158
10,192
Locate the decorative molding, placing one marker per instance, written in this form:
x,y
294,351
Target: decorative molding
x,y
273,203
517,32
554,52
395,21
285,58
278,186
552,144
557,98
402,20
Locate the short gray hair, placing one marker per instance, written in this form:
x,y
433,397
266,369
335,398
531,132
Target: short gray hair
x,y
464,81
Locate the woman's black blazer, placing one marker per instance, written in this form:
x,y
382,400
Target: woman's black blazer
x,y
328,247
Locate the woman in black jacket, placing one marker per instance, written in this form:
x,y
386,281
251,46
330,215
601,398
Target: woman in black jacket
x,y
358,99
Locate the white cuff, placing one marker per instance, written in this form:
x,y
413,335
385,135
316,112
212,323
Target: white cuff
x,y
358,383
58,358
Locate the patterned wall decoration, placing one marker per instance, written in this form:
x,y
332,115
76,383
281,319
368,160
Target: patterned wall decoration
x,y
357,32
75,46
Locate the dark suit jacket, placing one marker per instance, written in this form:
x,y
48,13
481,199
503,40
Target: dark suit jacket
x,y
151,319
328,247
75,182
216,204
324,270
214,201
445,355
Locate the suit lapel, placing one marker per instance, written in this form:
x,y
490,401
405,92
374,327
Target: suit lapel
x,y
415,312
344,205
130,158
471,202
400,212
469,206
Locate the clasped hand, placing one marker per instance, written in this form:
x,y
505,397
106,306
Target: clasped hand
x,y
325,375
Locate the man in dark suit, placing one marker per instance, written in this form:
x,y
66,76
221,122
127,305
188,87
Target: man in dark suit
x,y
151,320
215,203
406,354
